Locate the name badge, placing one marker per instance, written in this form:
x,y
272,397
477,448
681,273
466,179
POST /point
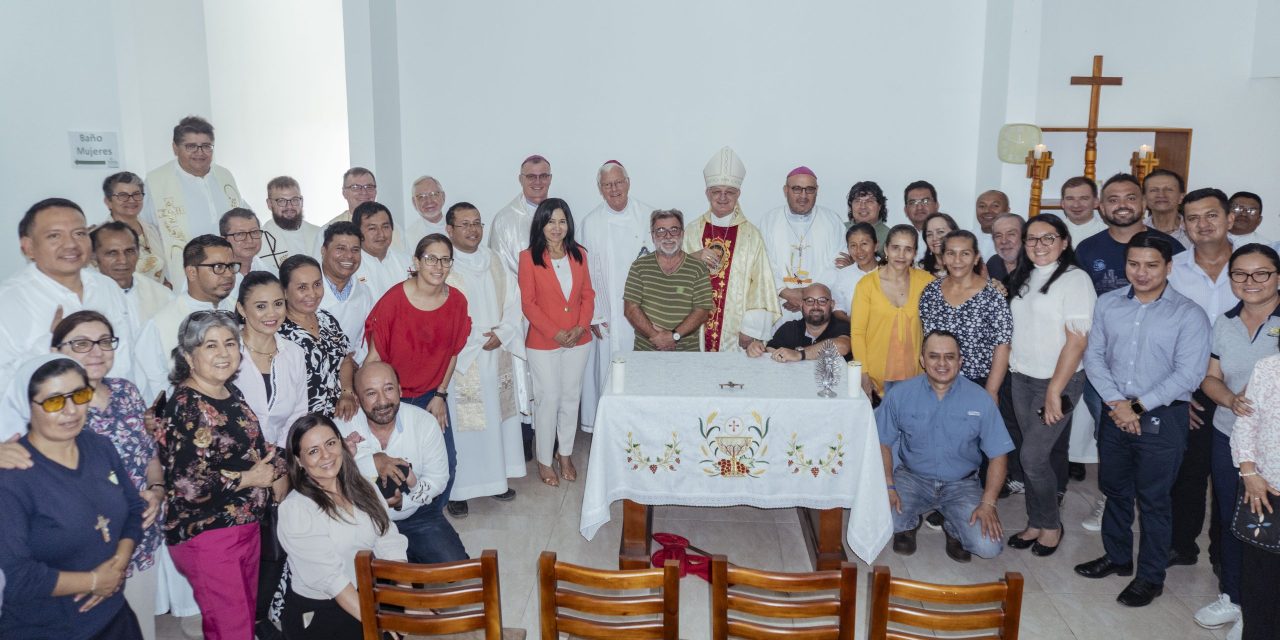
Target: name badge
x,y
976,414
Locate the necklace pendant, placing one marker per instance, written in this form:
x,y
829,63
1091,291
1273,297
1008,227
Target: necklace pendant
x,y
103,523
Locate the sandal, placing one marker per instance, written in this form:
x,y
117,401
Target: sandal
x,y
567,471
548,475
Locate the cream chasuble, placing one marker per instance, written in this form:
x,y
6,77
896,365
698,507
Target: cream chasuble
x,y
183,206
749,302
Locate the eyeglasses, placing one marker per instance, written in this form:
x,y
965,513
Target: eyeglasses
x,y
813,301
467,226
241,236
191,147
219,268
54,404
361,188
1245,211
1047,240
209,313
536,177
84,345
808,191
668,232
295,201
616,184
125,197
432,261
916,202
1257,276
429,194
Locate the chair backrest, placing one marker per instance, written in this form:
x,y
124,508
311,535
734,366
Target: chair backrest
x,y
447,585
611,615
839,605
1002,616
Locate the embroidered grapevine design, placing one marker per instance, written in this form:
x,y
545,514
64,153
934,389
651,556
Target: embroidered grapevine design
x,y
669,459
831,463
738,450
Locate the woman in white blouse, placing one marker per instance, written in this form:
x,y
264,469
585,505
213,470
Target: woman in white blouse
x,y
1052,305
331,514
273,370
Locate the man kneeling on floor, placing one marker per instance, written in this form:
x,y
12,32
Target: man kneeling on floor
x,y
940,424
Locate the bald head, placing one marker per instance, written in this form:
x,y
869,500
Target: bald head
x,y
815,301
989,206
378,389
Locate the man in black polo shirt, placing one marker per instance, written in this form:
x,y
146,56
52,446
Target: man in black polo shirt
x,y
802,339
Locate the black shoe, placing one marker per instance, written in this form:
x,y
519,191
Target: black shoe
x,y
956,550
1139,593
1102,567
934,520
1042,550
264,630
1061,496
1075,471
457,508
526,434
1020,543
506,496
904,542
1177,558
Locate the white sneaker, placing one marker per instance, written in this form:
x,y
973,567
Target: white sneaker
x,y
1217,613
1015,487
1094,522
1237,630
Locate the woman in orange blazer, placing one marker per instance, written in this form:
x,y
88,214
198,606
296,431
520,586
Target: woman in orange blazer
x,y
557,298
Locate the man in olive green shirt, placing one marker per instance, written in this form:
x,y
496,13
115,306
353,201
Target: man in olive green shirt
x,y
668,294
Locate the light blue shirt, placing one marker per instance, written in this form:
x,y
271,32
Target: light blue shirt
x,y
342,294
1157,352
942,439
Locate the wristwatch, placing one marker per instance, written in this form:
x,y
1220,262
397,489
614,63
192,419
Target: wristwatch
x,y
675,336
443,395
1137,407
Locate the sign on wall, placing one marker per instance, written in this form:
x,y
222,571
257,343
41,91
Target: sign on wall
x,y
94,148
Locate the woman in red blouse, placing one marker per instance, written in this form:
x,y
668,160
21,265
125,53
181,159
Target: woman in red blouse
x,y
419,327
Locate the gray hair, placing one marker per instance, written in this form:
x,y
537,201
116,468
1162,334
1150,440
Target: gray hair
x,y
1022,223
666,213
191,334
612,164
422,179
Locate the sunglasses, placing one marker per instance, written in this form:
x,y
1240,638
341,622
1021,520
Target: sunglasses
x,y
54,404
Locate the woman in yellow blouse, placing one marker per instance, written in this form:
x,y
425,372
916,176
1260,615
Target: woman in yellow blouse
x,y
885,328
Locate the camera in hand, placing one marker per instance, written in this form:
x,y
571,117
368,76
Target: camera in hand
x,y
389,486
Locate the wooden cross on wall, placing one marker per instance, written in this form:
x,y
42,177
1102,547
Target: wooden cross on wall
x,y
1095,82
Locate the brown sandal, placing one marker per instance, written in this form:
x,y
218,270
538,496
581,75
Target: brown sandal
x,y
567,470
548,475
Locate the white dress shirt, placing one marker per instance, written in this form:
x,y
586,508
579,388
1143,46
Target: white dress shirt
x,y
416,438
288,389
1215,297
322,549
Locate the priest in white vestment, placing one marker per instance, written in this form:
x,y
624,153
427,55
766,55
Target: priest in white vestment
x,y
509,232
615,233
116,249
358,187
287,233
486,419
347,298
382,266
428,202
742,288
802,241
209,274
186,196
54,236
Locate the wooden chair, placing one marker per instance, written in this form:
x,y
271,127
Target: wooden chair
x,y
448,585
663,607
1005,597
724,599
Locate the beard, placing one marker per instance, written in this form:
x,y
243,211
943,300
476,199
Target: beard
x,y
288,224
1110,218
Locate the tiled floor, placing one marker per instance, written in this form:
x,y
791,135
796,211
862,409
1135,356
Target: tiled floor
x,y
1057,604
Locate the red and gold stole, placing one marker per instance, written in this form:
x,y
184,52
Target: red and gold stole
x,y
719,240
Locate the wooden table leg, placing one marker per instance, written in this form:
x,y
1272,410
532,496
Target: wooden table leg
x,y
637,523
823,532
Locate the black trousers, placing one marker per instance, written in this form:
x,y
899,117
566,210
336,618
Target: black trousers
x,y
1192,485
308,619
270,565
124,626
1259,598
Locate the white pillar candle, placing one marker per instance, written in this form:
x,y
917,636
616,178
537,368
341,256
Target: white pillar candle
x,y
1040,149
1144,151
618,373
855,379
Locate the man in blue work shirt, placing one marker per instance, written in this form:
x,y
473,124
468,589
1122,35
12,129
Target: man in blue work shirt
x,y
1148,350
941,424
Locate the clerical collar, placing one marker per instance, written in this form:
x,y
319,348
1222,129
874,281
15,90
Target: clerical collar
x,y
725,221
799,217
474,260
183,173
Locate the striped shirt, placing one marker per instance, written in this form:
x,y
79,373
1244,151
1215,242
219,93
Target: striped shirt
x,y
667,299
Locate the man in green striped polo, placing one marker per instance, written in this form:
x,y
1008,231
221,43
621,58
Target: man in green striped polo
x,y
668,294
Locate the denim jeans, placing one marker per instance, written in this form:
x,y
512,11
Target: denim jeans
x,y
431,538
954,499
451,450
1226,482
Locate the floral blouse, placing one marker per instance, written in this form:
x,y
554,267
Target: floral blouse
x,y
205,445
324,360
982,323
122,423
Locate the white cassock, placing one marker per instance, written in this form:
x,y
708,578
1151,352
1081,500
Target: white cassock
x,y
614,239
154,356
305,240
32,299
350,312
146,298
416,228
509,231
257,264
800,249
381,275
183,206
486,417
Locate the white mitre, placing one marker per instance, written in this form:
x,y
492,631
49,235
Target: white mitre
x,y
724,169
